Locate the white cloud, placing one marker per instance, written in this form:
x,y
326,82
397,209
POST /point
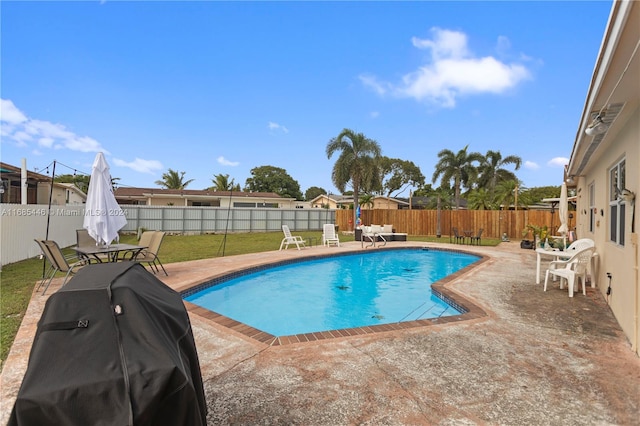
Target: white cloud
x,y
22,130
531,165
374,114
140,165
225,162
370,81
451,71
558,162
10,113
275,127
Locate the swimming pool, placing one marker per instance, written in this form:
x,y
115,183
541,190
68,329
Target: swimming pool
x,y
338,292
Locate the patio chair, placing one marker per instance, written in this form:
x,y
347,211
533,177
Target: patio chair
x,y
580,244
152,240
475,239
329,235
290,239
58,263
457,236
570,269
83,239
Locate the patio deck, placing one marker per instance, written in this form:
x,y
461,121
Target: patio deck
x,y
536,358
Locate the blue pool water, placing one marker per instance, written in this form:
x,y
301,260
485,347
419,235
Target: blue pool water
x,y
337,292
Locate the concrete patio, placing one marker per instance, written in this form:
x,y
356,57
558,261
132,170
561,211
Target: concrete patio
x,y
535,358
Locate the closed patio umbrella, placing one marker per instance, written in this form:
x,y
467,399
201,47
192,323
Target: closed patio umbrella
x,y
563,210
103,217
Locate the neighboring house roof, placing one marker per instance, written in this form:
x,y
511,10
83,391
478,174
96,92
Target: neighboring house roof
x,y
420,201
393,200
7,171
338,199
614,86
143,193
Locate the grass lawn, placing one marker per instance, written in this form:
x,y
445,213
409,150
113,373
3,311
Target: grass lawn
x,y
17,280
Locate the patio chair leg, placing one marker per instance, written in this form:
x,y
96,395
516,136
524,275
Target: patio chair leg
x,y
546,280
162,266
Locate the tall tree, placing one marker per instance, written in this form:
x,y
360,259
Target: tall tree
x,y
536,194
480,199
506,192
397,175
222,183
491,170
358,155
313,192
173,180
273,179
457,168
81,181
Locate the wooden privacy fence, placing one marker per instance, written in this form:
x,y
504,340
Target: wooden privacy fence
x,y
494,223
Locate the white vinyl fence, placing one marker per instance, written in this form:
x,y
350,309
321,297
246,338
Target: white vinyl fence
x,y
21,224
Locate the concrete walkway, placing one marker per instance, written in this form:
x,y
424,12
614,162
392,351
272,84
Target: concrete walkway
x,y
537,358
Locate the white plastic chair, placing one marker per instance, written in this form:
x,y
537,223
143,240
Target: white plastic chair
x,y
570,269
290,239
329,235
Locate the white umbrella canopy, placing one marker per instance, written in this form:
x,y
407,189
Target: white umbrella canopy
x,y
563,210
103,217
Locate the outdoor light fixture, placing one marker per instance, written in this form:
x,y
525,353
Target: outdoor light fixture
x,y
626,195
596,127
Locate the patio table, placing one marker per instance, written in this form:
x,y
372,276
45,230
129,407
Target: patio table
x,y
112,251
557,254
468,234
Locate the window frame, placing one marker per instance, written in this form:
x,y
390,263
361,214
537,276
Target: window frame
x,y
593,210
617,206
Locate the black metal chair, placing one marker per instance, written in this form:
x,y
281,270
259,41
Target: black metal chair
x,y
457,235
476,238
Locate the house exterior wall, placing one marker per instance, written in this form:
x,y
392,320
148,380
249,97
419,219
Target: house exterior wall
x,y
61,195
385,204
166,201
621,261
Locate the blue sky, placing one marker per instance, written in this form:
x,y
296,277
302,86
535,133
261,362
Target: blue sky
x,y
223,87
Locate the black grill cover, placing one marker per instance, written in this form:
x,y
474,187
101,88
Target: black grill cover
x,y
113,347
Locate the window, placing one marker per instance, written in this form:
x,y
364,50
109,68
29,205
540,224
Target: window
x,y
244,204
616,204
592,208
214,203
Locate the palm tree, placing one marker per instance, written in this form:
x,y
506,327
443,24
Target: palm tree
x,y
506,194
222,183
480,199
366,200
358,155
173,180
458,168
491,171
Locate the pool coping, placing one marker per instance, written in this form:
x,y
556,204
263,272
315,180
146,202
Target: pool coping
x,y
440,288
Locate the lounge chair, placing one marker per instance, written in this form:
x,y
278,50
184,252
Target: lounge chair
x,y
58,263
152,240
570,269
290,239
329,235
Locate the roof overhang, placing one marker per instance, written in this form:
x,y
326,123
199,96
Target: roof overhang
x,y
614,87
